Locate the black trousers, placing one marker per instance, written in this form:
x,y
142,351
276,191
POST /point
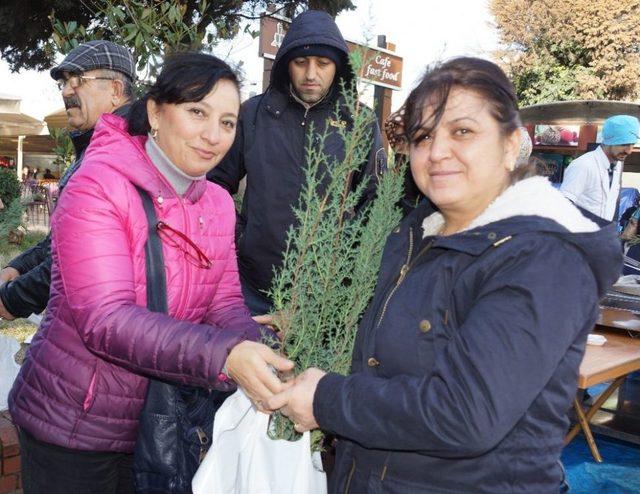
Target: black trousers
x,y
257,302
51,469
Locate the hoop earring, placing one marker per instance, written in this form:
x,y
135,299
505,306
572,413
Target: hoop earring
x,y
154,133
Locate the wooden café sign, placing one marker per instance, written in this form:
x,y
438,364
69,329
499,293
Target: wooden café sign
x,y
381,67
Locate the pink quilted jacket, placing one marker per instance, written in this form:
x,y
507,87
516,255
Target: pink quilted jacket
x,y
83,383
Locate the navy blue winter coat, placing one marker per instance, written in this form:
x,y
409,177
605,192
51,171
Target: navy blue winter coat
x,y
466,360
270,150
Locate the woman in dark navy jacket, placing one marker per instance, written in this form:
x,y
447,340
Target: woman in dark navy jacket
x,y
466,361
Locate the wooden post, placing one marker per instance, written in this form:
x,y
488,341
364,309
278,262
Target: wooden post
x,y
267,65
19,160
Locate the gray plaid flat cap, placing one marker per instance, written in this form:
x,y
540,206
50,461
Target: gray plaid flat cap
x,y
97,54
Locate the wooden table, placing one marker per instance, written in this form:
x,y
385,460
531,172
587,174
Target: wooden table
x,y
617,319
614,360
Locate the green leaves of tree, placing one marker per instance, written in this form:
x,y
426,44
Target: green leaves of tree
x,y
63,149
572,50
332,258
29,37
150,28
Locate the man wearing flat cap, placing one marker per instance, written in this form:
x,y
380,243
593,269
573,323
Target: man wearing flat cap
x,y
593,180
270,145
94,78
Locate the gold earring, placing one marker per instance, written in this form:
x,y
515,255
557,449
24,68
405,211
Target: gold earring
x,y
154,133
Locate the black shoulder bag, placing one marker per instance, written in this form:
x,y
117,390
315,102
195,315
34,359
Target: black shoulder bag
x,y
176,422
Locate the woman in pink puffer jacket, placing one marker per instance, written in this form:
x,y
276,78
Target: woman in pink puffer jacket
x,y
81,389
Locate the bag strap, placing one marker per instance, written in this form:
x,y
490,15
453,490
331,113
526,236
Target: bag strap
x,y
156,279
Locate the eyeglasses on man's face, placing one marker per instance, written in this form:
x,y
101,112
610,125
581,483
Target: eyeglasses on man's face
x,y
76,81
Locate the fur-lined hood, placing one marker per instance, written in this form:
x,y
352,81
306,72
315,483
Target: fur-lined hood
x,y
533,196
530,206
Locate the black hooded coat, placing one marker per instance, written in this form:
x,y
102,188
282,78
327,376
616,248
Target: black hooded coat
x,y
270,151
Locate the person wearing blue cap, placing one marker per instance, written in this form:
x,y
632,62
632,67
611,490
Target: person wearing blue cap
x,y
593,180
270,145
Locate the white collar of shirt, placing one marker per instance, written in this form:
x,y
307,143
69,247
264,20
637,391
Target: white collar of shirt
x,y
603,160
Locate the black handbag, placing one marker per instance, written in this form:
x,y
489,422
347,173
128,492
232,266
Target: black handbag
x,y
176,423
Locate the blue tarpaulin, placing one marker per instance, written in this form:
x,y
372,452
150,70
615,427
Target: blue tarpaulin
x,y
618,474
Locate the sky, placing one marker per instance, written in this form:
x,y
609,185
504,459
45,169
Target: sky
x,y
423,31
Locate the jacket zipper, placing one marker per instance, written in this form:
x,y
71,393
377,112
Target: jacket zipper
x,y
303,125
89,399
91,390
187,266
403,273
304,118
350,477
404,270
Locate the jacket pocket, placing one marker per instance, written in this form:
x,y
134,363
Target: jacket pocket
x,y
87,403
90,395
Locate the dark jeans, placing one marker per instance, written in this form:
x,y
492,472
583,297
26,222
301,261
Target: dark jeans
x,y
51,469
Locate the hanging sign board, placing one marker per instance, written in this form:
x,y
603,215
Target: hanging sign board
x,y
381,67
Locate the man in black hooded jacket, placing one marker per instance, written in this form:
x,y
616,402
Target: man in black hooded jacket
x,y
270,146
94,78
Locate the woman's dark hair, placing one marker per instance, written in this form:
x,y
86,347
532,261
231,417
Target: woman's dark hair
x,y
476,74
185,77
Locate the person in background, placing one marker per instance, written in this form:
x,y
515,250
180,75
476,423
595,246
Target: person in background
x,y
48,175
269,150
80,391
631,241
593,180
466,361
94,78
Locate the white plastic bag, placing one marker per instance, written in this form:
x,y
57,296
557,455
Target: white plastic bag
x,y
244,460
629,284
8,367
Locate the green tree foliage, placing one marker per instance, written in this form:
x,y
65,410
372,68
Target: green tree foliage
x,y
583,49
63,150
9,186
26,30
33,31
12,213
150,28
332,258
11,218
332,7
